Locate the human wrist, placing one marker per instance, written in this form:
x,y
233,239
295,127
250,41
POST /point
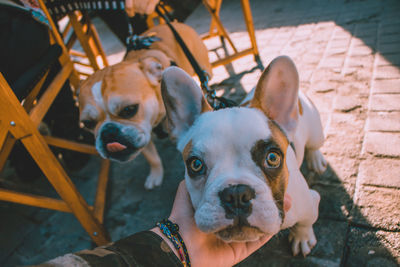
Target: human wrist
x,y
157,231
171,231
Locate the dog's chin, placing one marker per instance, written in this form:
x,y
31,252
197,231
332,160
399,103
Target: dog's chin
x,y
240,234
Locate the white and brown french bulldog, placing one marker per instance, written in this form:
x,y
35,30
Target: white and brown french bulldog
x,y
240,162
121,104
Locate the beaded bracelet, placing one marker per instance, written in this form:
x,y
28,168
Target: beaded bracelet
x,y
171,231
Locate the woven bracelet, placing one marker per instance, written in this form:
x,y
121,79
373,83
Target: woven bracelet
x,y
171,231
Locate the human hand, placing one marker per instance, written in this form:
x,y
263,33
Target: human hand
x,y
206,249
140,6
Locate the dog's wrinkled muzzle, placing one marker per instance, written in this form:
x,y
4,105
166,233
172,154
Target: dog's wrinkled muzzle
x,y
116,143
235,200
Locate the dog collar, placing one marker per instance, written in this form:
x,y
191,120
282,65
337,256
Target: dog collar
x,y
136,42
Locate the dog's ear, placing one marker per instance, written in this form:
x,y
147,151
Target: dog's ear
x,y
276,93
152,63
183,100
153,69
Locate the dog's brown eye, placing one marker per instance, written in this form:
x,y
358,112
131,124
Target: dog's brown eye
x,y
195,166
128,111
273,160
89,124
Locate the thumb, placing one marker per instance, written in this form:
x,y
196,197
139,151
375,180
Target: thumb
x,y
182,204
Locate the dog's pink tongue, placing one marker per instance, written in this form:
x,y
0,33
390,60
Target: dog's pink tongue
x,y
115,147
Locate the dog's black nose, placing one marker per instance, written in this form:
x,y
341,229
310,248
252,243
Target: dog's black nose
x,y
109,132
235,199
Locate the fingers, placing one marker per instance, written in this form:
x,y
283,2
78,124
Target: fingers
x,y
129,8
145,7
151,6
140,6
182,207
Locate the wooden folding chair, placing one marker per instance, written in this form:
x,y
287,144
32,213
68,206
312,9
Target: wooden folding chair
x,y
218,29
80,28
20,122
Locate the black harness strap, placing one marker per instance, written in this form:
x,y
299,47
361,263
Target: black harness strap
x,y
199,71
210,93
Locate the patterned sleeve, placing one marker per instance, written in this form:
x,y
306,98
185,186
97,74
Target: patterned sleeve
x,y
141,249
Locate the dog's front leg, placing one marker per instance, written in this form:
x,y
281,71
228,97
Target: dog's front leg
x,y
302,234
156,170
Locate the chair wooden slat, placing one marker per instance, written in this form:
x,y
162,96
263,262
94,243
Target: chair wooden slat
x,y
70,145
33,200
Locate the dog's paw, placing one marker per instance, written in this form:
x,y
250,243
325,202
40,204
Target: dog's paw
x,y
153,180
316,161
303,239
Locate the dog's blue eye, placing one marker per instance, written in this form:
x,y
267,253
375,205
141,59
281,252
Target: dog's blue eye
x,y
129,111
273,160
195,166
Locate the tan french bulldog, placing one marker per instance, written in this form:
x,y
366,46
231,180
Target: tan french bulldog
x,y
121,104
240,162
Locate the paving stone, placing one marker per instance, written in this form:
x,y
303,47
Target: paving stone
x,y
323,102
50,240
346,103
372,248
338,51
13,229
389,59
390,29
386,102
356,74
389,48
386,86
326,75
361,61
339,43
362,50
324,86
389,39
374,204
342,144
336,200
340,170
382,144
368,30
387,72
380,172
383,121
328,251
332,62
366,41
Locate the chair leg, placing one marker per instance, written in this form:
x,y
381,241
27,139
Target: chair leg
x,y
250,26
22,128
84,40
51,167
96,40
100,201
219,25
216,5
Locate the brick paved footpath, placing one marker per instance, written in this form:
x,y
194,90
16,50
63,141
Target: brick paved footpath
x,y
348,56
